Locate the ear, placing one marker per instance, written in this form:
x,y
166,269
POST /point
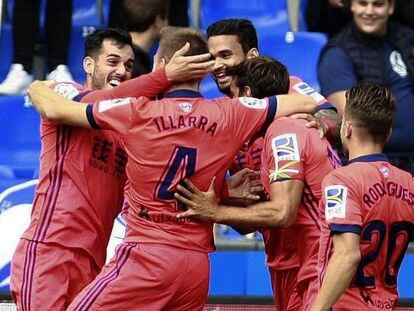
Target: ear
x,y
349,129
252,53
247,91
391,8
88,65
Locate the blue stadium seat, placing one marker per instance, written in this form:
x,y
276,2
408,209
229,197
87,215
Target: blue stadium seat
x,y
85,12
6,50
19,137
299,51
266,15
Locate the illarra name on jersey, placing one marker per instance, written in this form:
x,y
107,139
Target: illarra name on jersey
x,y
185,121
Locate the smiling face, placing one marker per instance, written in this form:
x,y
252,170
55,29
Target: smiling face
x,y
371,16
227,52
110,67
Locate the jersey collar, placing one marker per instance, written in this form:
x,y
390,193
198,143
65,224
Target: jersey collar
x,y
375,157
183,94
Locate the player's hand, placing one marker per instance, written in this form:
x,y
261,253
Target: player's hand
x,y
184,68
201,205
314,121
245,184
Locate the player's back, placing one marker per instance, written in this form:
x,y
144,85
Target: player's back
x,y
381,204
167,140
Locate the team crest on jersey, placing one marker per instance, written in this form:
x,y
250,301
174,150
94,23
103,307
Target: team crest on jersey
x,y
186,107
335,205
112,103
255,103
384,171
67,90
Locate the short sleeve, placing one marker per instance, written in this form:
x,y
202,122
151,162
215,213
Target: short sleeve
x,y
116,115
336,72
250,115
285,146
340,203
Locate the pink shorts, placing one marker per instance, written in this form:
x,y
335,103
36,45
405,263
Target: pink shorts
x,y
284,289
46,276
149,277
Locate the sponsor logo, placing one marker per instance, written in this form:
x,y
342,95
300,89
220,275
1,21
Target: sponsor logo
x,y
254,103
335,205
112,103
186,107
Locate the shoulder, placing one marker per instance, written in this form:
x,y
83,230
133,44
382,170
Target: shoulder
x,y
342,176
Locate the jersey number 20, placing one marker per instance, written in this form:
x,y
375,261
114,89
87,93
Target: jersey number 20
x,y
401,231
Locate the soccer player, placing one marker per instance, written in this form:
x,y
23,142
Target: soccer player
x,y
294,161
64,247
163,262
368,211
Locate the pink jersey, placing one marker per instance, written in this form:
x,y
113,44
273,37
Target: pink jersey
x,y
76,165
293,152
249,155
166,140
374,199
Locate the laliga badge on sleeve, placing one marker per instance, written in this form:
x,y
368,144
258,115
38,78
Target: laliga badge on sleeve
x,y
254,103
335,205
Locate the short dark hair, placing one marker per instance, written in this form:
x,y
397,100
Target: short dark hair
x,y
174,38
372,108
93,43
242,28
264,75
140,14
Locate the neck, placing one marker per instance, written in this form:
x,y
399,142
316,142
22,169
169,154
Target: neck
x,y
88,83
143,39
192,86
360,149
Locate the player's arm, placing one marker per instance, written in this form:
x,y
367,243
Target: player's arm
x,y
55,107
340,270
280,211
295,103
180,68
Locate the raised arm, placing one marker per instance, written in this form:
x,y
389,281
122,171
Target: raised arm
x,y
180,68
55,107
295,103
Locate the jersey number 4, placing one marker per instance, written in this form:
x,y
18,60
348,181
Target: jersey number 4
x,y
399,234
182,164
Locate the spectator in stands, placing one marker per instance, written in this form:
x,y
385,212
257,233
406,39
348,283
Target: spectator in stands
x,y
373,49
58,24
144,20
